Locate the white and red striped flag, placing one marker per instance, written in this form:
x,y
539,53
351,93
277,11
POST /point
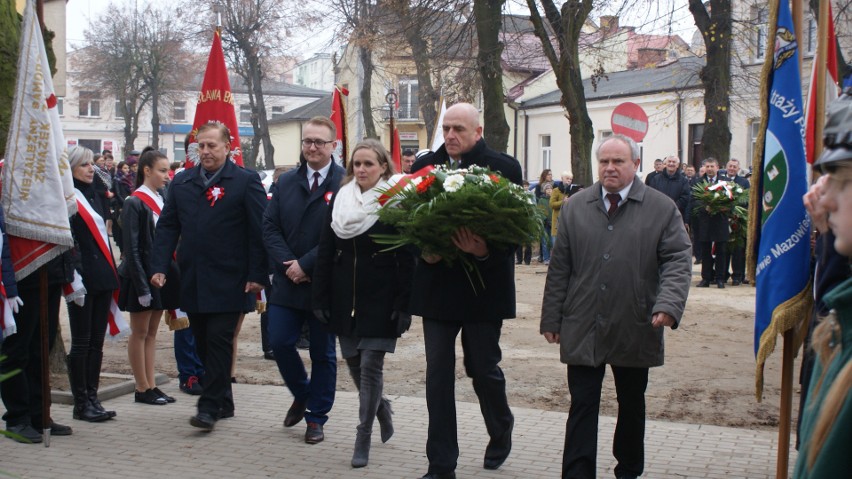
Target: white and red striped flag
x,y
829,63
38,192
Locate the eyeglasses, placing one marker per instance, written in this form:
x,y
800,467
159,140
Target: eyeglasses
x,y
307,143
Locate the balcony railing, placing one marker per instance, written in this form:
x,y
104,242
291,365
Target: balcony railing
x,y
402,113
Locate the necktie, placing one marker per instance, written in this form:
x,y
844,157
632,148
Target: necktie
x,y
613,198
316,181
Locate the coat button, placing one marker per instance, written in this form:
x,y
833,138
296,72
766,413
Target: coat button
x,y
603,287
606,256
609,227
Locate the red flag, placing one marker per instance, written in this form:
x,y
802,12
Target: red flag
x,y
831,87
396,154
38,193
215,103
338,117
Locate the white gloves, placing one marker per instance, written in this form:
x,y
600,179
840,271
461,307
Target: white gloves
x,y
15,303
145,301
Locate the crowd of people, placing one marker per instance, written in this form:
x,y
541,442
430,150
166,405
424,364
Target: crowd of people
x,y
204,242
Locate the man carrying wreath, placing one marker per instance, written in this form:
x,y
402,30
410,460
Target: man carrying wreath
x,y
446,299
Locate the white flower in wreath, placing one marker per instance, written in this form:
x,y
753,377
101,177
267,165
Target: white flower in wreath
x,y
453,183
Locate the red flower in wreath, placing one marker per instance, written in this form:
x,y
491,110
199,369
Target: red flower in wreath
x,y
495,178
214,193
425,184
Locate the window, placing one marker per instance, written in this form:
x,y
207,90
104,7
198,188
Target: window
x,y
544,141
60,105
179,111
811,35
277,112
409,107
180,153
753,131
94,145
119,110
245,113
696,134
90,104
761,16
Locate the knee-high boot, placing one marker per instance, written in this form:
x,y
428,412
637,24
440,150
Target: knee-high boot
x,y
370,396
83,409
93,380
384,413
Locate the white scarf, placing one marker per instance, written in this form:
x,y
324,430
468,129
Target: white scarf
x,y
355,212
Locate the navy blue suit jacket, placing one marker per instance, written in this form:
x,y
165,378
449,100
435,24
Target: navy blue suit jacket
x,y
219,247
291,230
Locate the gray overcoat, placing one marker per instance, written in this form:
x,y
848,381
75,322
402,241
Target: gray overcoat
x,y
607,277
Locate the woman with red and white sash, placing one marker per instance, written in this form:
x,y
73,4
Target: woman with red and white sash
x,y
96,267
145,304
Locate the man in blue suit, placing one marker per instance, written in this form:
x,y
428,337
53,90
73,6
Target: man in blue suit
x,y
212,217
291,232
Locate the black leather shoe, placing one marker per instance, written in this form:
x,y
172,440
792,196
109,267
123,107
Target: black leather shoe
x,y
203,420
24,433
150,397
269,355
720,284
440,475
497,451
736,283
703,284
294,414
313,434
163,395
60,429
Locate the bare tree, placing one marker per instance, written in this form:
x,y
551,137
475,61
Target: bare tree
x,y
163,60
254,34
489,20
563,54
111,64
716,25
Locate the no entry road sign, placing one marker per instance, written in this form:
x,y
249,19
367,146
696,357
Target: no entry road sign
x,y
629,119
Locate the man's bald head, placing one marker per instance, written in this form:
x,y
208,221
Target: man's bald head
x,y
462,129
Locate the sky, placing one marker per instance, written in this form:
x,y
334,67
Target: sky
x,y
655,19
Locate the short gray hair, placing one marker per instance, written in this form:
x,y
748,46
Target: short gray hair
x,y
634,148
78,154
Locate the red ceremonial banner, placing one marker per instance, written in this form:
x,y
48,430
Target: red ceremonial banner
x,y
215,103
338,117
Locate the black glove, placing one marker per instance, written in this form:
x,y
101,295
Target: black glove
x,y
322,315
403,321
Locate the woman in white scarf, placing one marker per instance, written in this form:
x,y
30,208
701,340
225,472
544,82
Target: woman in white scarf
x,y
360,290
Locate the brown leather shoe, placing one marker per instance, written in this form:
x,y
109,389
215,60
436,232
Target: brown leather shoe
x,y
314,435
294,414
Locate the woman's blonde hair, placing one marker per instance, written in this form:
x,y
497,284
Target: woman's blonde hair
x,y
381,154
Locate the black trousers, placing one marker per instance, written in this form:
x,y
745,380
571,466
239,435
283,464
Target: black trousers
x,y
713,268
89,323
736,259
214,342
22,392
481,346
579,459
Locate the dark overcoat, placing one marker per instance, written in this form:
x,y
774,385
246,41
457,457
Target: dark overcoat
x,y
361,284
219,246
447,292
291,230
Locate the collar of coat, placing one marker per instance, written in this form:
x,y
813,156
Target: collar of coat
x,y
194,173
636,193
467,159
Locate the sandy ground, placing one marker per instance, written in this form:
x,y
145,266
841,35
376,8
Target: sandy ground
x,y
708,377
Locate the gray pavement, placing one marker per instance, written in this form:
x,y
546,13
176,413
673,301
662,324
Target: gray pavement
x,y
157,441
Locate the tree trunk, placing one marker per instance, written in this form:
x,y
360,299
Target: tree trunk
x,y
155,118
10,36
261,125
715,27
366,57
565,61
488,22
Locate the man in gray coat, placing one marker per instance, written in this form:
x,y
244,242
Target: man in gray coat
x,y
618,275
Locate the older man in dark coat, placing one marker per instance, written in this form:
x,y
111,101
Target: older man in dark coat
x,y
618,275
444,296
212,216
